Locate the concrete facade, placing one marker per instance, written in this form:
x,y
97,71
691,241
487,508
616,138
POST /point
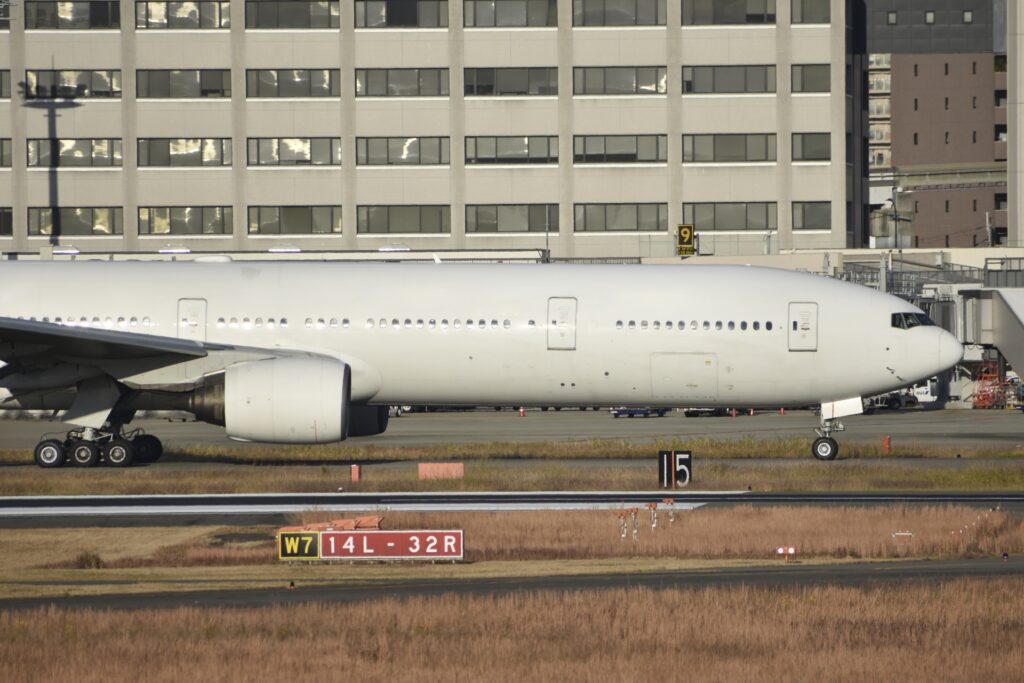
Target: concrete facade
x,y
839,180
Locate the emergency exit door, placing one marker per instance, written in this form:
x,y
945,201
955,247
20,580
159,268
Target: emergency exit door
x,y
803,327
561,324
192,319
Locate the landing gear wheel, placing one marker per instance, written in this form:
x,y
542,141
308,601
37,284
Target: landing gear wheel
x,y
825,448
148,448
119,453
50,453
84,453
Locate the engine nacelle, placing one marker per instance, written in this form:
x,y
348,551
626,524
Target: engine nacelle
x,y
280,400
367,420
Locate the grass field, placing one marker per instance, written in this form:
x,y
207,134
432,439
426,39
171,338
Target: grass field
x,y
966,630
774,475
103,560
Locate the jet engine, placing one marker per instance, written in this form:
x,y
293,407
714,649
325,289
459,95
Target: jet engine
x,y
279,400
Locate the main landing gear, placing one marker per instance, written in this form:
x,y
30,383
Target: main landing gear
x,y
88,447
825,447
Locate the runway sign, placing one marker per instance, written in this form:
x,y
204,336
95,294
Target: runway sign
x,y
675,468
391,545
298,545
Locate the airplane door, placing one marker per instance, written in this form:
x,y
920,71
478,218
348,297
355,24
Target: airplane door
x,y
192,319
561,324
803,327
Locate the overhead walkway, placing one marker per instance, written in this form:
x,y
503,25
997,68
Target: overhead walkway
x,y
1008,325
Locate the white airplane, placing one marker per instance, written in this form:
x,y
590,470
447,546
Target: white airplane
x,y
314,352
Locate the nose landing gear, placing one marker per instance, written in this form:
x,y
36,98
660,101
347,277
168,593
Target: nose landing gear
x,y
825,447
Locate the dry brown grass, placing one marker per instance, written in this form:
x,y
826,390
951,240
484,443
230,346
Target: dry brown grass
x,y
735,533
967,630
783,475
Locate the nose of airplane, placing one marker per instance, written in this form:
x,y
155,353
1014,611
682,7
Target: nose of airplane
x,y
950,350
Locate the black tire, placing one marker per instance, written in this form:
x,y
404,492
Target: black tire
x,y
148,448
825,448
83,454
50,453
119,453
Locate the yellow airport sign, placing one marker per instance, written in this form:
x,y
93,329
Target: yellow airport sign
x,y
685,238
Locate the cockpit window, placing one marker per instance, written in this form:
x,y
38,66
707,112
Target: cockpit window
x,y
904,321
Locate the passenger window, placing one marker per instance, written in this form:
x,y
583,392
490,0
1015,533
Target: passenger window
x,y
532,323
333,323
507,324
408,322
344,323
134,322
732,326
657,325
57,320
259,323
757,325
270,323
494,324
768,326
618,324
221,322
707,325
396,323
320,324
145,322
419,323
432,323
743,325
643,324
668,324
121,322
246,323
284,322
632,324
482,324
444,323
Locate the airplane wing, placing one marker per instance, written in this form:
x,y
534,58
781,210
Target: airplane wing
x,y
37,343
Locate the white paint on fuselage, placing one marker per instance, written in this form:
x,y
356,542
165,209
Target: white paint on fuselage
x,y
858,352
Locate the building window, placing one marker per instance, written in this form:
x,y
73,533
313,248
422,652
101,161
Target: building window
x,y
810,11
619,80
292,83
510,149
915,104
78,221
812,146
294,220
5,153
1000,132
974,205
291,14
812,78
947,137
712,12
184,83
620,217
176,152
728,79
890,18
5,84
619,149
401,82
915,138
974,68
74,152
490,218
53,84
501,13
511,81
184,220
915,70
968,16
974,136
618,12
719,216
6,221
419,151
946,68
81,16
1001,201
1000,99
401,13
812,215
415,218
294,151
729,148
183,16
929,17
947,206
